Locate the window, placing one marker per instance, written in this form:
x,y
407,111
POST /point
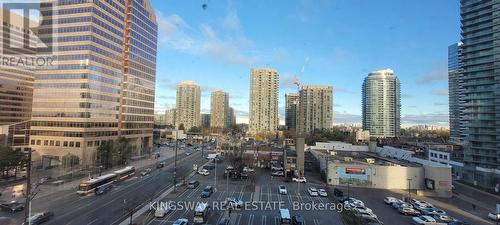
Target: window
x,y
58,143
90,144
77,144
71,144
65,144
33,142
46,142
51,143
38,142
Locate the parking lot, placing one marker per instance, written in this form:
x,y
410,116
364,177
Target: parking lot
x,y
373,198
262,201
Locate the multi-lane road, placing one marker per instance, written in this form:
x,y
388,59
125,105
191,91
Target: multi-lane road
x,y
114,206
260,196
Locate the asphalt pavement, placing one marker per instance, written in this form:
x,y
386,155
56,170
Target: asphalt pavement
x,y
261,199
114,206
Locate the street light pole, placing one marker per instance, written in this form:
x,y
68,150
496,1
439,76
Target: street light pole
x,y
28,189
175,160
409,186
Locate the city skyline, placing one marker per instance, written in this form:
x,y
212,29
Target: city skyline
x,y
321,57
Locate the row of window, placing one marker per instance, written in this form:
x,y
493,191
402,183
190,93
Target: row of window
x,y
71,144
76,115
73,124
90,86
74,134
81,105
77,76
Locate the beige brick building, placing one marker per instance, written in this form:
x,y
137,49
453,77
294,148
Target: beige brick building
x,y
264,88
219,109
188,105
315,108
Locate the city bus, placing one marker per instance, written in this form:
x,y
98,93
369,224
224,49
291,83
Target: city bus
x,y
124,173
89,186
201,213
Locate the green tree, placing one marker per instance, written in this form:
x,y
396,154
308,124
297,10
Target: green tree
x,y
11,159
181,127
70,160
114,153
195,129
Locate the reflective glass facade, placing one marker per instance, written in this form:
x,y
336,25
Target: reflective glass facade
x,y
381,104
481,90
102,85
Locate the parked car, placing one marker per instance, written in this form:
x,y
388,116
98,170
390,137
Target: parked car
x,y
299,180
187,153
282,190
389,200
204,172
409,211
278,173
362,209
432,211
40,218
322,192
248,169
297,220
160,165
398,205
365,215
244,175
443,218
207,192
181,222
312,192
12,207
146,172
423,220
193,184
352,202
494,216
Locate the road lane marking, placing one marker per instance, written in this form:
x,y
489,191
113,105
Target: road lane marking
x,y
91,222
250,219
316,222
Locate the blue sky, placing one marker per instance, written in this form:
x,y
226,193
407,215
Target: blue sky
x,y
316,42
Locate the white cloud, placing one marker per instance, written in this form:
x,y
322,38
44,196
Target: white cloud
x,y
175,33
172,33
440,92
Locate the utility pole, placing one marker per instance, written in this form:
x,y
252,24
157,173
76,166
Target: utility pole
x,y
28,190
175,160
409,186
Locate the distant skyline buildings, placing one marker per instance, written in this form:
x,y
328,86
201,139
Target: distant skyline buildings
x,y
188,105
219,109
263,104
381,104
315,108
455,92
291,107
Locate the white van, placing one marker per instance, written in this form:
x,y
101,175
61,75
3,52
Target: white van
x,y
285,216
159,213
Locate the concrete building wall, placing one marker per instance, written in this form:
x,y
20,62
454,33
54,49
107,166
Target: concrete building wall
x,y
219,109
